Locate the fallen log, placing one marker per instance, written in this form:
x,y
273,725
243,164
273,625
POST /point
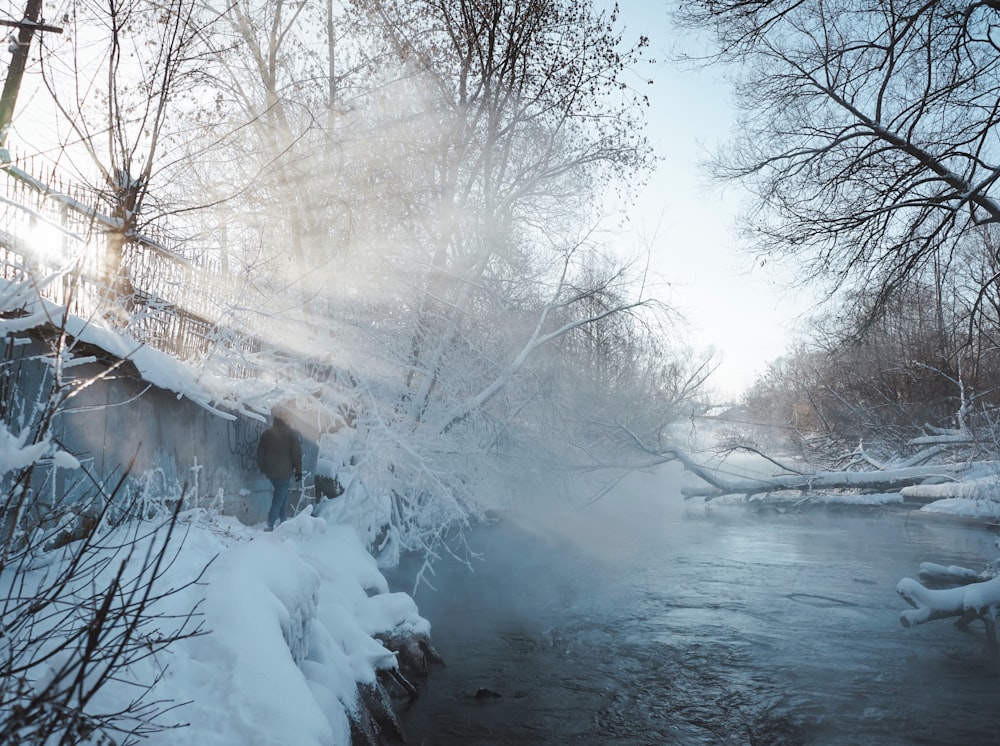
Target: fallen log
x,y
891,478
973,598
888,480
983,488
937,576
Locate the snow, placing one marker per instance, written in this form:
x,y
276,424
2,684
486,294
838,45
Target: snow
x,y
221,396
965,508
14,454
874,498
841,499
291,617
972,497
932,603
334,451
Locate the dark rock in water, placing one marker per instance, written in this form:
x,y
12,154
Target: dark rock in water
x,y
484,693
414,653
374,722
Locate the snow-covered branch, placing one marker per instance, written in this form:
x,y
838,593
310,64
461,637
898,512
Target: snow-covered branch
x,y
536,341
888,480
957,592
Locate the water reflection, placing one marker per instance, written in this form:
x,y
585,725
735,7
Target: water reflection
x,y
648,620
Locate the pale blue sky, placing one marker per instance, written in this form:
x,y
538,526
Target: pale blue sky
x,y
742,310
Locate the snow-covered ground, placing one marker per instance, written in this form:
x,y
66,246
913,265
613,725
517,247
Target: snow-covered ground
x,y
290,618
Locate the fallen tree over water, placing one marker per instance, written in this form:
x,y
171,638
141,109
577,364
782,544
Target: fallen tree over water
x,y
944,464
941,592
893,478
950,592
942,469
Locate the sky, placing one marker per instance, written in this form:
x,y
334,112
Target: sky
x,y
746,312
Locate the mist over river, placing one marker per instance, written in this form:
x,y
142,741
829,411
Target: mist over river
x,y
647,619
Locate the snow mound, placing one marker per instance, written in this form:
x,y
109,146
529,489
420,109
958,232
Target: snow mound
x,y
216,394
970,498
929,603
291,618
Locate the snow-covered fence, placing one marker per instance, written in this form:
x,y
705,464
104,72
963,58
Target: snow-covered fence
x,y
49,226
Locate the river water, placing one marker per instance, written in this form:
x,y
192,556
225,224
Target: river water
x,y
645,619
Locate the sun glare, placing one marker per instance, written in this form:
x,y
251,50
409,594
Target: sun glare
x,y
49,243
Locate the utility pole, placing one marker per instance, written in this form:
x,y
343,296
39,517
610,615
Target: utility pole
x,y
19,59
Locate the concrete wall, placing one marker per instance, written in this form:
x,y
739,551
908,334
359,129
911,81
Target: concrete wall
x,y
174,441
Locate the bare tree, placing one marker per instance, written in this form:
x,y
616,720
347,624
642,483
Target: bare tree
x,y
533,117
868,131
117,82
276,101
407,191
882,377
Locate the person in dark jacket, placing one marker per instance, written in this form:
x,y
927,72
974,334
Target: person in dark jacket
x,y
279,456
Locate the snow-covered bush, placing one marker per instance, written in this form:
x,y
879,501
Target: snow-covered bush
x,y
78,572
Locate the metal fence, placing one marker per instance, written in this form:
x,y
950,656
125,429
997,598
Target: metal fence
x,y
55,235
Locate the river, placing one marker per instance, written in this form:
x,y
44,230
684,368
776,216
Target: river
x,y
645,619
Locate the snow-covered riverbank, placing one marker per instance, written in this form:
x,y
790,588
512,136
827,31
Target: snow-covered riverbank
x,y
291,619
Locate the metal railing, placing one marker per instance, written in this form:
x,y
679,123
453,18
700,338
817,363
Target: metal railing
x,y
55,232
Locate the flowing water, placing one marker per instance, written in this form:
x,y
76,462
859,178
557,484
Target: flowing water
x,y
646,620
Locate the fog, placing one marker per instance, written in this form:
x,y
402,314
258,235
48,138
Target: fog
x,y
647,619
